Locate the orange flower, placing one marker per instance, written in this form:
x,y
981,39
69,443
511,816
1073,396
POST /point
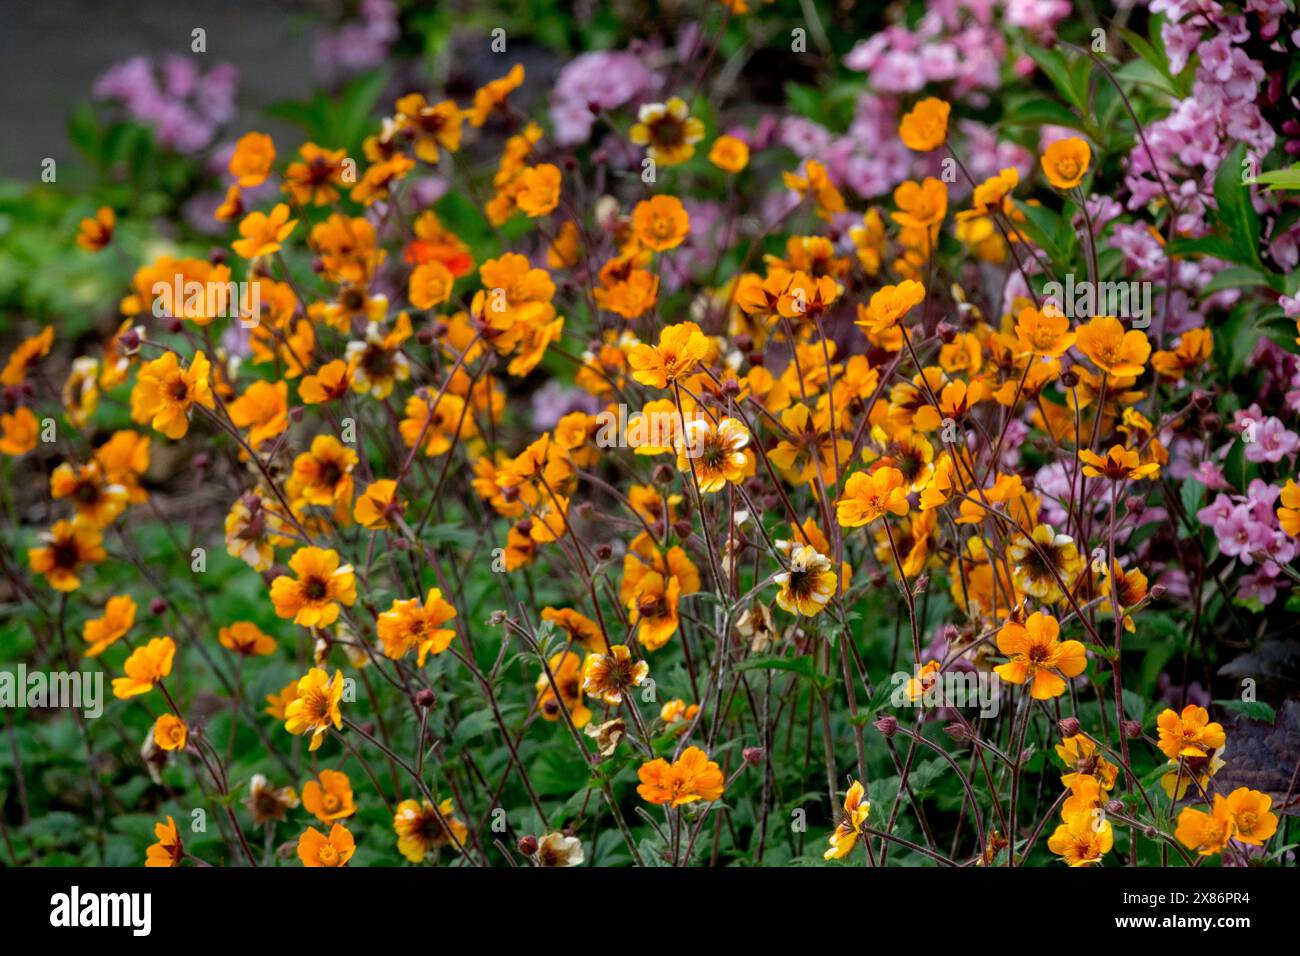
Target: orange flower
x,y
330,797
1045,333
1120,464
652,608
313,599
246,638
329,383
661,223
1206,833
93,234
1111,348
565,692
692,776
1038,657
411,625
1252,821
169,732
1188,734
536,189
69,547
112,626
263,409
1194,348
434,127
889,304
251,161
869,495
714,455
920,205
145,667
1083,839
578,627
97,500
23,358
1288,516
420,827
377,504
168,850
164,393
1065,162
316,849
430,285
816,183
492,96
729,154
18,432
323,475
313,180
316,707
262,233
681,348
926,127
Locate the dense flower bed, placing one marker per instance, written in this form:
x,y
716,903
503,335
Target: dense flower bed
x,y
649,475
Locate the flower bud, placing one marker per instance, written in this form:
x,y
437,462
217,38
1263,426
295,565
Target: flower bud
x,y
425,698
157,606
1132,729
754,755
528,845
1069,726
887,725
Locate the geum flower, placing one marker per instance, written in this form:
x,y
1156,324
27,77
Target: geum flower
x,y
1037,657
316,707
845,835
609,676
322,584
869,495
410,624
1120,464
145,667
691,777
164,393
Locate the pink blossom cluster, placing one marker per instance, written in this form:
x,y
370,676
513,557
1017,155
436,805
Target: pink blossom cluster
x,y
184,106
1246,528
360,44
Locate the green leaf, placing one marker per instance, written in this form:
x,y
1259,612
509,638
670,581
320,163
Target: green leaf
x,y
1236,214
1250,709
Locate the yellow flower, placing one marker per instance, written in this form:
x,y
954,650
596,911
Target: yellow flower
x,y
1065,162
316,706
112,626
668,131
652,608
1194,348
925,127
164,393
681,348
817,184
411,625
579,628
263,409
69,547
1034,559
97,500
262,234
1037,657
692,776
661,223
93,234
145,667
421,828
251,161
169,732
323,475
808,584
1083,839
322,584
920,205
869,495
1112,349
729,154
565,692
1120,464
316,849
845,835
1188,734
329,798
715,455
434,127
